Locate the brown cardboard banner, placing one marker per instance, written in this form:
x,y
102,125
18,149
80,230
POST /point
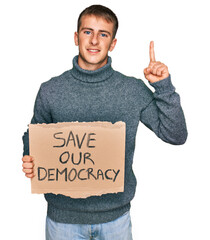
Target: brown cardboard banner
x,y
78,159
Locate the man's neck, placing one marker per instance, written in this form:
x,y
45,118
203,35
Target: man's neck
x,y
100,75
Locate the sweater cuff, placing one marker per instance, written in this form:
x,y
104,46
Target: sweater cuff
x,y
164,85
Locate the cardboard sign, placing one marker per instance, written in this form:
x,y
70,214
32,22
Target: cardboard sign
x,y
78,159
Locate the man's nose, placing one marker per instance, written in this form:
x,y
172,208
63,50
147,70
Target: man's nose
x,y
94,39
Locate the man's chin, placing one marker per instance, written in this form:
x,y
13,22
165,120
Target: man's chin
x,y
93,60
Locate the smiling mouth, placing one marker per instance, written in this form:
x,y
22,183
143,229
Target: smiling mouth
x,y
93,50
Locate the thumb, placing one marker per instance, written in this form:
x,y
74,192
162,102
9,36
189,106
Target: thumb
x,y
146,70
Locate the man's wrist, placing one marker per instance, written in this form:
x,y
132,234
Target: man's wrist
x,y
164,85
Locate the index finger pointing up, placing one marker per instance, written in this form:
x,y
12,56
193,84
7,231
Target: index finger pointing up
x,y
152,52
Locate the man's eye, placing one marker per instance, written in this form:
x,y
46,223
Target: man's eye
x,y
104,35
87,32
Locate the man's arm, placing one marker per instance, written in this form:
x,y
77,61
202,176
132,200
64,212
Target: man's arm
x,y
164,114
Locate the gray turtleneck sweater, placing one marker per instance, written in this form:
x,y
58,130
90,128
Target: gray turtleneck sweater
x,y
106,95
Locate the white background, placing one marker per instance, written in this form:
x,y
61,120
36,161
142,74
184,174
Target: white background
x,y
172,200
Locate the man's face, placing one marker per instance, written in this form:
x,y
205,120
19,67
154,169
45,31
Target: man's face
x,y
95,39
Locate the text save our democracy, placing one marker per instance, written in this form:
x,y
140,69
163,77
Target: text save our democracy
x,y
54,174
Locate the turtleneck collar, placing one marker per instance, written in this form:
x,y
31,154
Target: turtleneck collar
x,y
98,75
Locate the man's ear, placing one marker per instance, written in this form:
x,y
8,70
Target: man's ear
x,y
112,46
76,39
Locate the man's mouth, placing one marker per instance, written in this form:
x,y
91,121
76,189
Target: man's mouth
x,y
93,50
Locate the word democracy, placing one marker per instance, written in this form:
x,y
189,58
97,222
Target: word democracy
x,y
54,174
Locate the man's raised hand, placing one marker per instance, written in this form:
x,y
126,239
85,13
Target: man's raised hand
x,y
156,71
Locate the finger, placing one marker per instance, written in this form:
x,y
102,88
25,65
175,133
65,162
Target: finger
x,y
161,70
27,165
27,158
146,70
29,175
152,52
155,67
154,64
27,170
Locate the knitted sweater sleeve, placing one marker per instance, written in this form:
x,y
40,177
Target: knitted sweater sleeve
x,y
41,115
164,114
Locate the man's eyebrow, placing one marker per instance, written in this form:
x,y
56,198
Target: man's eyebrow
x,y
91,29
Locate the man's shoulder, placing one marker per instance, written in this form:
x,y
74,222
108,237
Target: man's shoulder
x,y
56,81
135,86
130,80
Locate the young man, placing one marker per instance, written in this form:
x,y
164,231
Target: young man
x,y
93,91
